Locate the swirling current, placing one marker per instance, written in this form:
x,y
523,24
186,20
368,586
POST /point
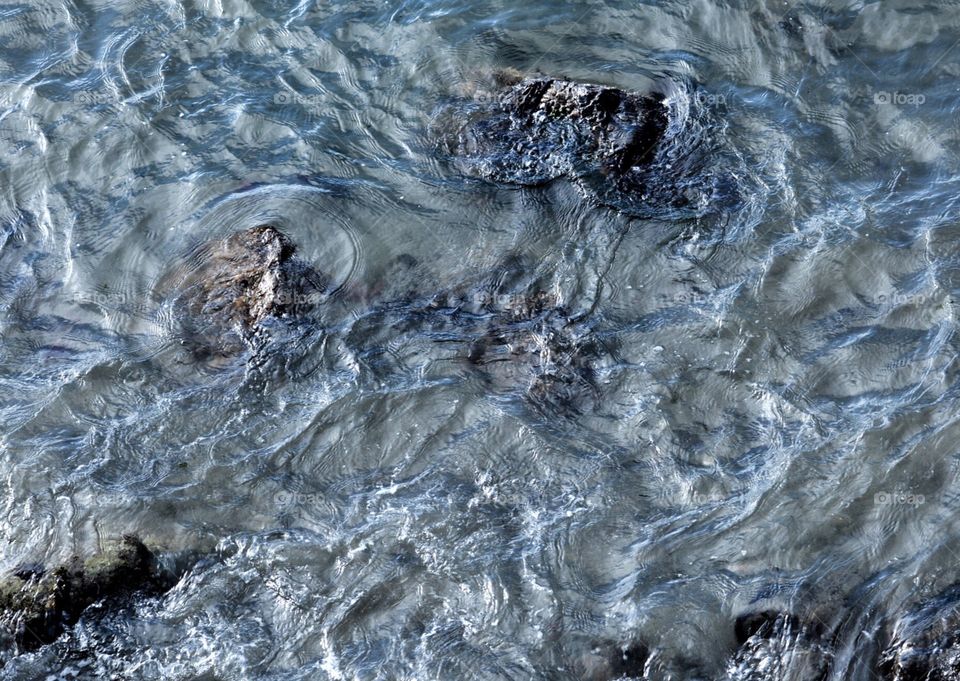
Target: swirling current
x,y
526,430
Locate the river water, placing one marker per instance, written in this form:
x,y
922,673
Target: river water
x,y
776,416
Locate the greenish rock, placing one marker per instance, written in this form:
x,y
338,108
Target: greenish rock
x,y
37,605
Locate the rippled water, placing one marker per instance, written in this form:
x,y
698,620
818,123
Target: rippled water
x,y
776,420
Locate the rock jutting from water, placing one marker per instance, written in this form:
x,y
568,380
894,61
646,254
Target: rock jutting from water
x,y
920,643
37,605
239,283
630,151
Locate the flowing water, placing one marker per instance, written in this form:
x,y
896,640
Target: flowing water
x,y
775,417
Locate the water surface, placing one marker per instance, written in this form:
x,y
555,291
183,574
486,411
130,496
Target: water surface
x,y
777,399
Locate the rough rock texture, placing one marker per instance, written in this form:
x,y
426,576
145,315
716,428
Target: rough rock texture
x,y
36,605
558,127
238,284
924,644
622,148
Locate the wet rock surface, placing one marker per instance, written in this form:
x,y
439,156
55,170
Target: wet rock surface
x,y
38,604
553,127
777,646
913,643
924,644
237,285
630,151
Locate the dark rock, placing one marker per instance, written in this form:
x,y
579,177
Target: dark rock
x,y
630,151
924,644
542,129
763,624
237,285
628,660
37,605
30,571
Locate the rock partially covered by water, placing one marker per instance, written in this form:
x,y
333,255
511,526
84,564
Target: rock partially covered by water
x,y
549,128
627,150
36,605
536,331
925,643
777,646
237,284
518,341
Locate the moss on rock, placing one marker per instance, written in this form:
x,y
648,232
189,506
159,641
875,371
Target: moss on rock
x,y
36,605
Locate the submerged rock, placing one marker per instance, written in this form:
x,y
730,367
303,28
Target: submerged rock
x,y
527,339
627,150
536,331
517,341
36,605
237,285
924,644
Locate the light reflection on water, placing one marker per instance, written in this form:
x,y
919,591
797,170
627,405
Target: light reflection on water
x,y
778,381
